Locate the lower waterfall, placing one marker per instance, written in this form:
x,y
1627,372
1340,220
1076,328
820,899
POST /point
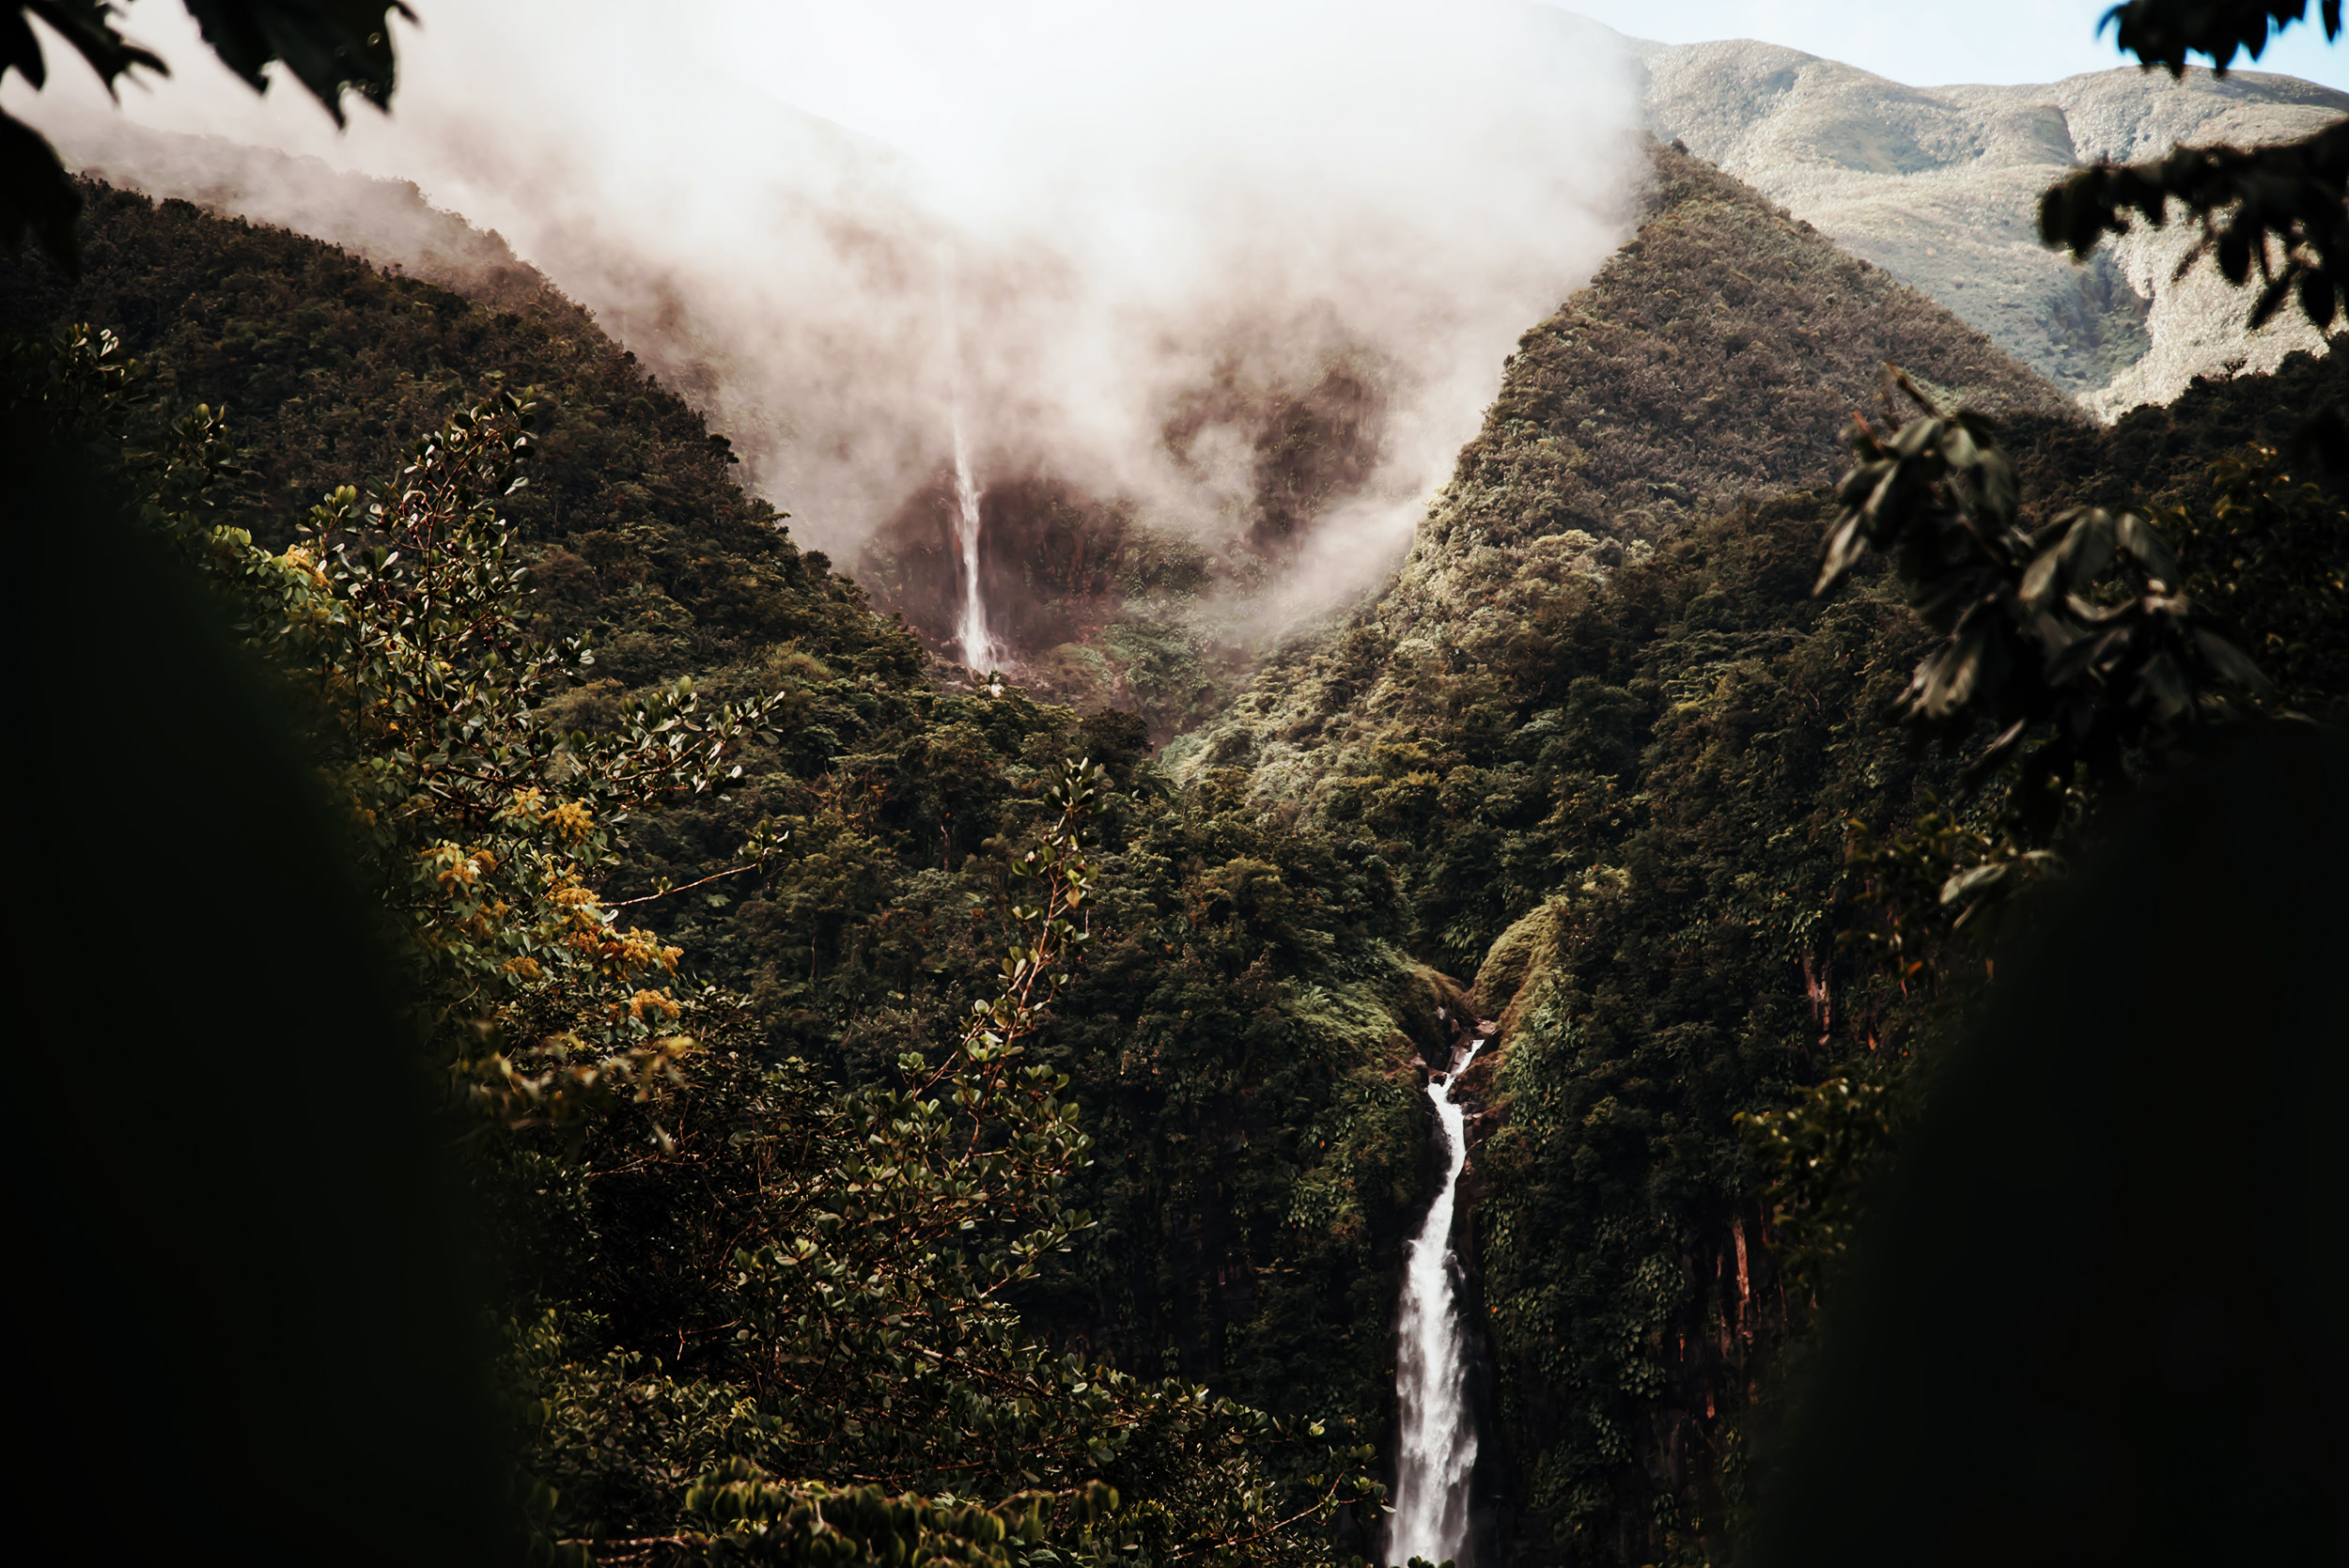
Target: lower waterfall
x,y
1437,1449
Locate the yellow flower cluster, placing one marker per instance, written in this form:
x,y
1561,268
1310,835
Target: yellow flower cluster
x,y
300,562
586,929
660,1002
636,950
456,869
485,918
571,821
576,905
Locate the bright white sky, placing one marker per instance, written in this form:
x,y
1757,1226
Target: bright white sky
x,y
2000,41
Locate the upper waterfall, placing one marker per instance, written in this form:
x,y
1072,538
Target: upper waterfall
x,y
978,648
970,634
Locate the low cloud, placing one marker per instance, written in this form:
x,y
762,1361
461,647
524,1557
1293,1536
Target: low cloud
x,y
1129,240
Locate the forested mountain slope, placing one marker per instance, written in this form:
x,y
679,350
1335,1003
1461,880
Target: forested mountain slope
x,y
1242,1037
1715,358
1612,748
1940,187
331,368
387,222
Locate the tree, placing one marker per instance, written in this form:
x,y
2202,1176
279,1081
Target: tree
x,y
829,1277
844,1360
2071,641
2084,1098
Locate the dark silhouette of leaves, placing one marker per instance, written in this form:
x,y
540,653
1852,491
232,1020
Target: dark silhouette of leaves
x,y
330,45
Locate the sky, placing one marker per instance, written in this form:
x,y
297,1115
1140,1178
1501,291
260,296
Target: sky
x,y
2000,41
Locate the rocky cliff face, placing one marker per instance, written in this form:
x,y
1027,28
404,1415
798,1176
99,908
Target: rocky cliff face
x,y
1940,186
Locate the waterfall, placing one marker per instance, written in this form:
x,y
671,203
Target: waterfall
x,y
1439,1445
978,650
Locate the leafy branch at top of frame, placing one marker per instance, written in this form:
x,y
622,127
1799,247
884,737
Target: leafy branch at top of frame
x,y
2278,209
2170,33
330,47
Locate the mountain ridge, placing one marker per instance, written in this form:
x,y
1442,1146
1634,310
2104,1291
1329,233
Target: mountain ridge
x,y
1940,186
1715,357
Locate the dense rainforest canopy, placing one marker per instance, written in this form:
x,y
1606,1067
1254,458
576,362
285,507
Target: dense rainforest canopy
x,y
904,1119
1622,823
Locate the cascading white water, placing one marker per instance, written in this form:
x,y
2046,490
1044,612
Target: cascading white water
x,y
978,650
1439,1445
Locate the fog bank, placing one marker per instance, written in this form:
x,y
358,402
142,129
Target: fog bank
x,y
1126,237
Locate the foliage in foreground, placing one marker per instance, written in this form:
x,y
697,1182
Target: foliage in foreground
x,y
834,1278
822,1357
328,46
1242,1033
2279,210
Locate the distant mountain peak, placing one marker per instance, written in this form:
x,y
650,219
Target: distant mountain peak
x,y
1940,186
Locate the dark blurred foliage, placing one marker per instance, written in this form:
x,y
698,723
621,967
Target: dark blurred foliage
x,y
331,46
2279,210
237,1233
2096,1316
2282,210
2170,33
2266,554
2071,641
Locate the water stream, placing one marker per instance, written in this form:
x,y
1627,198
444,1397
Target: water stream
x,y
1439,1438
978,648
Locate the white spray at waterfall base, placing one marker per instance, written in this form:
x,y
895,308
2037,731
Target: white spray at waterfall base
x,y
1438,1437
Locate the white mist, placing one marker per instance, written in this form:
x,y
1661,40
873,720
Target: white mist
x,y
750,193
1439,1438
